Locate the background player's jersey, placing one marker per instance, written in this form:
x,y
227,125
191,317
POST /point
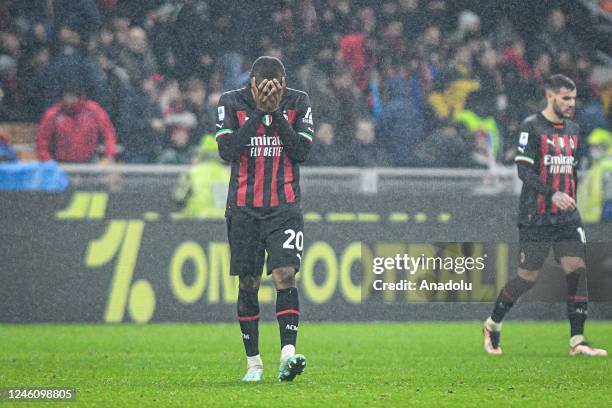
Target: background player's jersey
x,y
552,151
264,172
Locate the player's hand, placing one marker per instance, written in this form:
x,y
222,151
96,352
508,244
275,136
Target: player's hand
x,y
275,95
269,97
564,201
258,91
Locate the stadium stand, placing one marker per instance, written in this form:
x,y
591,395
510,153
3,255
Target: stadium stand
x,y
158,67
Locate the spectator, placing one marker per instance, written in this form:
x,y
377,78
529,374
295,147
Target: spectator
x,y
137,58
118,82
342,51
203,189
11,95
325,151
412,18
141,123
11,45
590,113
352,105
491,82
400,127
82,15
594,199
70,64
482,128
556,38
363,151
197,41
468,26
178,150
70,128
515,61
446,146
195,102
33,78
317,82
358,54
454,85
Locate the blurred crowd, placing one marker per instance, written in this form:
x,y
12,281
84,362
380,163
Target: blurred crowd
x,y
391,82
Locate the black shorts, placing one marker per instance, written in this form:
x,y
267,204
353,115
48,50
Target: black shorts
x,y
280,235
535,242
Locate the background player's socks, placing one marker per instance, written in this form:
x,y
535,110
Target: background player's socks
x,y
576,340
492,336
248,316
288,315
508,296
579,346
492,325
577,301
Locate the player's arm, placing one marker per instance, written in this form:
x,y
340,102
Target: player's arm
x,y
526,152
530,178
297,139
230,137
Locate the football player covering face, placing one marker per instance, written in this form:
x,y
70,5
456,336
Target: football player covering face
x,y
265,133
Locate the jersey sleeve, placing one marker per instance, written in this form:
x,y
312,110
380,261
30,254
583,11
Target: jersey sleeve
x,y
231,138
304,125
297,139
227,122
528,144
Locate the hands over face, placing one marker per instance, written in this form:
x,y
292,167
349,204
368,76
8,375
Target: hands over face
x,y
268,94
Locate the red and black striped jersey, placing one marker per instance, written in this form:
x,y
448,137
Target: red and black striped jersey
x,y
264,150
550,150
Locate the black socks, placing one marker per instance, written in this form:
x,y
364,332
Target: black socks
x,y
288,315
577,300
248,316
508,296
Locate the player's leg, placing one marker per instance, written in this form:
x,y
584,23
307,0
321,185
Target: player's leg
x,y
284,243
532,254
571,253
247,258
288,316
509,294
287,308
248,316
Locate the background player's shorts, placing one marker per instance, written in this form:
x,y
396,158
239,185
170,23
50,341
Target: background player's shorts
x,y
535,242
280,235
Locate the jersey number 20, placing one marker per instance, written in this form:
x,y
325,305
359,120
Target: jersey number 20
x,y
295,240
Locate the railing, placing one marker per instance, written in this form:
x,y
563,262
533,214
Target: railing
x,y
376,180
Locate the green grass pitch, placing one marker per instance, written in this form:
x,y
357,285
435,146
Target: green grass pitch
x,y
376,364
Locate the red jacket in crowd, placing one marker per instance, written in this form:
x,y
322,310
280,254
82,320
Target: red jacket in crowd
x,y
70,133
